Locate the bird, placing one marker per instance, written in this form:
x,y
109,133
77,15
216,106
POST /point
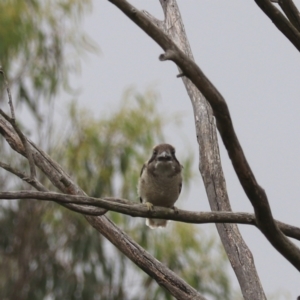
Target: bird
x,y
160,181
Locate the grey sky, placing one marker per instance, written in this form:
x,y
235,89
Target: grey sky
x,y
257,71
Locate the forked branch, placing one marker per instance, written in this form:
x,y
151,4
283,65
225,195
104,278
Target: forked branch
x,y
289,29
210,167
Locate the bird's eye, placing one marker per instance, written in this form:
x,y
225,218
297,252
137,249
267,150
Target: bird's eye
x,y
154,152
173,152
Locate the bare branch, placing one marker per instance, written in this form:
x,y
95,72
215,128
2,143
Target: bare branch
x,y
135,209
280,21
255,193
9,94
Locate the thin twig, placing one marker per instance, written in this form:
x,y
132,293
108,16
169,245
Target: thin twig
x,y
8,93
33,182
24,142
12,121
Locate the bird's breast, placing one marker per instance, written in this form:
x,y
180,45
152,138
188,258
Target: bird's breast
x,y
160,189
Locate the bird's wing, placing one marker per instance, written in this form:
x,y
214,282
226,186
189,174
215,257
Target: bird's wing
x,y
180,187
143,168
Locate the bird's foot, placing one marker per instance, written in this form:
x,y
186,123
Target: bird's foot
x,y
149,206
175,210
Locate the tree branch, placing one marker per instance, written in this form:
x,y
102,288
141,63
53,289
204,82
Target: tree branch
x,y
135,209
12,121
33,182
280,21
255,193
9,94
25,144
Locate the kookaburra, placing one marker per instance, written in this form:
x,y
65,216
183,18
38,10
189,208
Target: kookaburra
x,y
160,181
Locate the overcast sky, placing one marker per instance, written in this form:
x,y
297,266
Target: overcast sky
x,y
254,67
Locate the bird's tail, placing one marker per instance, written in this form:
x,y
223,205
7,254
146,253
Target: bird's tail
x,y
155,223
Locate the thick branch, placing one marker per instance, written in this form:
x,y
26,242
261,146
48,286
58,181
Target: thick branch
x,y
255,193
239,254
280,21
135,209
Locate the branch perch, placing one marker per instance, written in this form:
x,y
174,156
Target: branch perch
x,y
140,210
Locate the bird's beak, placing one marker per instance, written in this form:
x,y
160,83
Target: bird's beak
x,y
164,156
